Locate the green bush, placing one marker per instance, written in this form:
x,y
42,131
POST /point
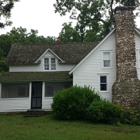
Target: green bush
x,y
131,116
104,112
73,102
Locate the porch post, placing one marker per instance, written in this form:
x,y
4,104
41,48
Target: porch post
x,y
30,90
0,89
43,94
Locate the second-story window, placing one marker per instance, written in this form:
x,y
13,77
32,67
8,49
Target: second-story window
x,y
53,64
46,63
49,64
106,60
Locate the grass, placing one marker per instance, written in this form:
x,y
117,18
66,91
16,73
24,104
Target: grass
x,y
16,127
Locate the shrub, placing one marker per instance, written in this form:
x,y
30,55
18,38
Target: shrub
x,y
131,116
104,112
73,102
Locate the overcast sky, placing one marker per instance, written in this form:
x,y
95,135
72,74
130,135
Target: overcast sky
x,y
39,15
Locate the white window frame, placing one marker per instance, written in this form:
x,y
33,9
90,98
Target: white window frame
x,y
107,76
53,65
110,52
45,64
50,64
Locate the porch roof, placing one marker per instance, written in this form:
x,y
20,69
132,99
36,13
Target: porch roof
x,y
14,77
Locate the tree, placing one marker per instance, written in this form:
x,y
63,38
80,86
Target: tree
x,y
5,44
68,34
48,39
94,32
87,12
19,35
71,34
5,11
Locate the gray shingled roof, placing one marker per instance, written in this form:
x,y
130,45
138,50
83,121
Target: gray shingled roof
x,y
27,54
34,76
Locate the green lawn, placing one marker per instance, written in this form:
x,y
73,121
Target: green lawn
x,y
16,127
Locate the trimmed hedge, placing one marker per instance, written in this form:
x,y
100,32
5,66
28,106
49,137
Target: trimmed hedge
x,y
104,112
73,102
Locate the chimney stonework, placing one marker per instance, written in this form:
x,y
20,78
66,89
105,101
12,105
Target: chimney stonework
x,y
126,89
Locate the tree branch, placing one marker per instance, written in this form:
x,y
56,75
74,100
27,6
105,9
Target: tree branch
x,y
98,19
111,9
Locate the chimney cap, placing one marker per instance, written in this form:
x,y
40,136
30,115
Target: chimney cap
x,y
121,8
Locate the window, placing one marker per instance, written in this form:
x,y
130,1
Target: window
x,y
21,91
46,63
103,83
54,87
49,91
106,59
49,64
53,65
15,90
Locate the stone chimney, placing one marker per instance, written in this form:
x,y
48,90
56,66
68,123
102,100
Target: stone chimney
x,y
126,89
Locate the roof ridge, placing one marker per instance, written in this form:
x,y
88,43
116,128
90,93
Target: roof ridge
x,y
62,43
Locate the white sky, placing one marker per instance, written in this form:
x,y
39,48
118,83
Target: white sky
x,y
39,15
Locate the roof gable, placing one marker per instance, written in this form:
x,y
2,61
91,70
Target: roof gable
x,y
91,52
137,31
49,50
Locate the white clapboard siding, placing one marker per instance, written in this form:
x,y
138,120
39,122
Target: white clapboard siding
x,y
14,105
40,67
87,74
47,101
137,45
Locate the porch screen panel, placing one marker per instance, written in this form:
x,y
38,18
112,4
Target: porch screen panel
x,y
15,90
54,87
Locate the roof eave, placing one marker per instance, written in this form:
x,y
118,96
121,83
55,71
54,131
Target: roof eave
x,y
137,31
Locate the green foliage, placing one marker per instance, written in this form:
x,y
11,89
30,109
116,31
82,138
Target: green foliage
x,y
5,11
72,103
73,34
82,103
3,67
131,116
5,44
69,34
19,35
104,111
95,16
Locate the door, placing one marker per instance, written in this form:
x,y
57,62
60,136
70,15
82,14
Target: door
x,y
36,95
